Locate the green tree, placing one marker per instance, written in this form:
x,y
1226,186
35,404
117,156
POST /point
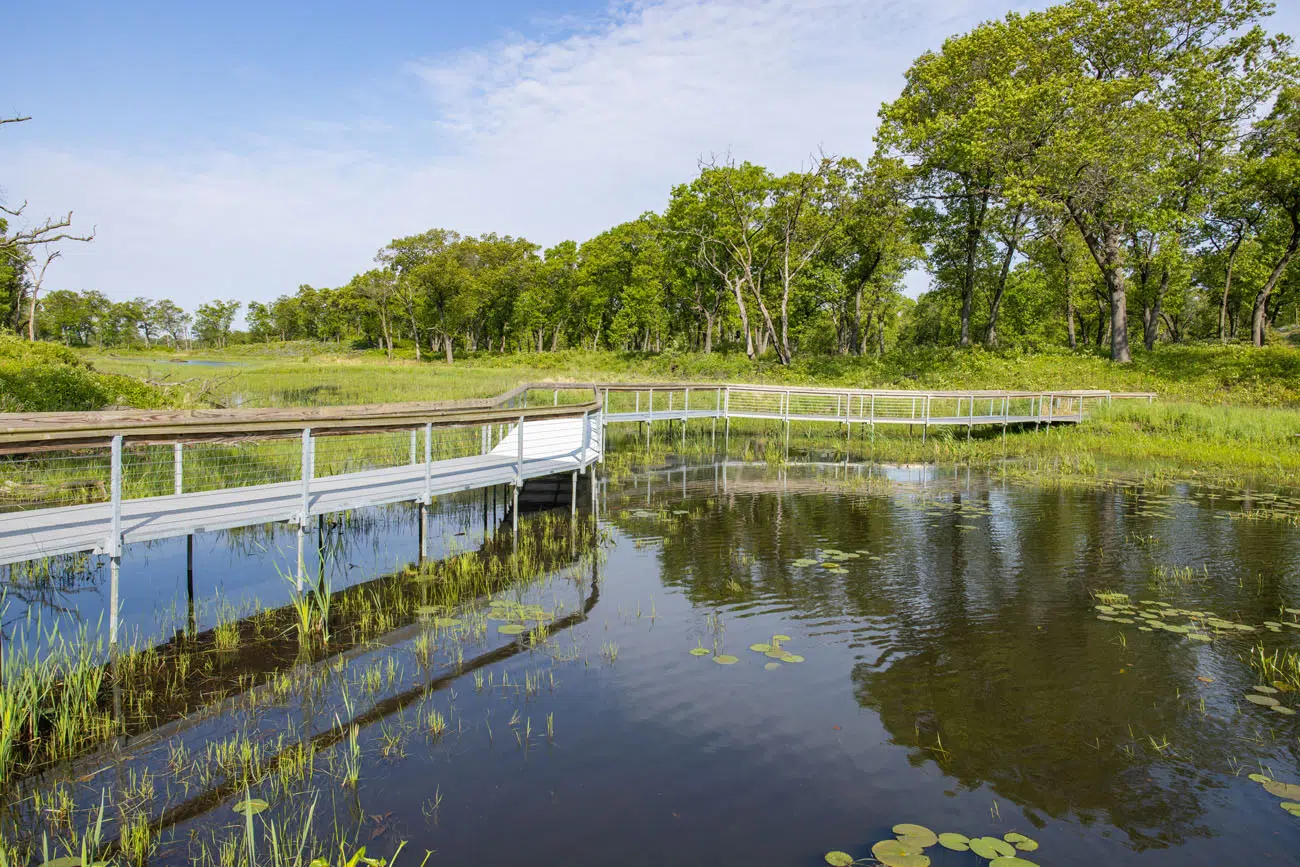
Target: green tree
x,y
213,322
1274,171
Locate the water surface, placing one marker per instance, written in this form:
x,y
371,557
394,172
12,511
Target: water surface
x,y
954,674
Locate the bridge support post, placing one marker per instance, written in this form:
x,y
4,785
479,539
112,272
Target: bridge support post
x,y
191,619
573,495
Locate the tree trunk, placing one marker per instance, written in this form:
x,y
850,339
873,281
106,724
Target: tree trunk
x,y
446,344
1227,288
737,288
1152,330
974,233
1105,249
991,335
1258,319
1069,316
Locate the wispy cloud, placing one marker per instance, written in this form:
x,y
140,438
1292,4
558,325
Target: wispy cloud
x,y
549,137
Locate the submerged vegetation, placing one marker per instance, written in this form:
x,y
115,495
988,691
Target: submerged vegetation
x,y
63,701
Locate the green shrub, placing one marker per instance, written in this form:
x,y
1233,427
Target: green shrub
x,y
47,377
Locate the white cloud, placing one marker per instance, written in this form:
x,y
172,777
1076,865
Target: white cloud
x,y
547,138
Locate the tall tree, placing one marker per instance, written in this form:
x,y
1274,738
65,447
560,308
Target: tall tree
x,y
1274,170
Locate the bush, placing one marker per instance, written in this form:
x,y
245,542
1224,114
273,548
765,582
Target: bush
x,y
47,377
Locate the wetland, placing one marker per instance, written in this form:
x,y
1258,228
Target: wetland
x,y
729,662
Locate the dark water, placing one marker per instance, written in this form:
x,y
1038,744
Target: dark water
x,y
955,675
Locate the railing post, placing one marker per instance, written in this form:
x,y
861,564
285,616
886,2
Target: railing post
x,y
586,439
308,469
519,469
114,535
970,424
428,462
413,440
726,414
926,430
178,469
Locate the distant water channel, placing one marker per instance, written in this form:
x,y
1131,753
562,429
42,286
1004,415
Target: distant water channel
x,y
758,665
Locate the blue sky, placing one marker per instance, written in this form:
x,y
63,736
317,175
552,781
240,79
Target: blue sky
x,y
236,150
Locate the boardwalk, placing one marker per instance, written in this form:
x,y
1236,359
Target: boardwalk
x,y
501,441
550,447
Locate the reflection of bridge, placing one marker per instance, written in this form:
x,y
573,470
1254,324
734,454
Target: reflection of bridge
x,y
175,473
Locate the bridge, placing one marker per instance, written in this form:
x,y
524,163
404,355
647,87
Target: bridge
x,y
135,476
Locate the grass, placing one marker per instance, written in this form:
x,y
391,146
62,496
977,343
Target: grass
x,y
1229,413
314,375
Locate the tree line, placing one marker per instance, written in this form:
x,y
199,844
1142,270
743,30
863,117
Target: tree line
x,y
1062,176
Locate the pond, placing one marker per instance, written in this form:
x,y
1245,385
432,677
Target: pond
x,y
739,664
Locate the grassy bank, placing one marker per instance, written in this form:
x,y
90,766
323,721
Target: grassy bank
x,y
311,373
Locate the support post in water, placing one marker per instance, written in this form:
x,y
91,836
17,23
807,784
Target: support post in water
x,y
303,515
114,536
573,496
423,531
192,619
519,481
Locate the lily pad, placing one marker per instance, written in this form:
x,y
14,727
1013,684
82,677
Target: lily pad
x,y
1259,778
700,651
725,659
1282,709
839,859
782,638
1021,842
893,848
760,648
1285,791
802,562
772,666
955,842
898,853
511,629
778,654
792,657
1265,700
446,622
991,847
1266,690
916,835
251,806
66,861
1011,861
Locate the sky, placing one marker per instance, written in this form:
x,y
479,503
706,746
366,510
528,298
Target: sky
x,y
237,150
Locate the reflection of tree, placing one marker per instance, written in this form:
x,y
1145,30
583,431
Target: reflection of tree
x,y
1033,706
981,652
48,585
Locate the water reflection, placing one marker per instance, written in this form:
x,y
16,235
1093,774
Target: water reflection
x,y
967,603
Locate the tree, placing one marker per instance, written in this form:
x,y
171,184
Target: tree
x,y
37,275
1113,75
1274,171
17,249
213,322
171,320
